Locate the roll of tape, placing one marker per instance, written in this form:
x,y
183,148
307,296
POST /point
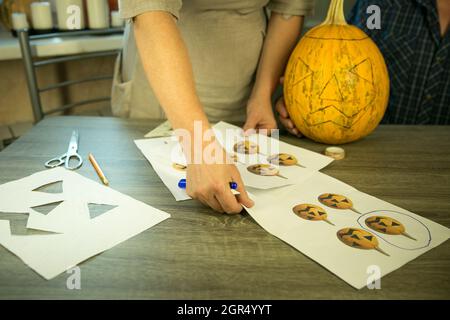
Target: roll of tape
x,y
336,153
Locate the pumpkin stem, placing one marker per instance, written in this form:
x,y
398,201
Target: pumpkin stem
x,y
336,13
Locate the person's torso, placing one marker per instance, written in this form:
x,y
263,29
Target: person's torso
x,y
224,40
418,59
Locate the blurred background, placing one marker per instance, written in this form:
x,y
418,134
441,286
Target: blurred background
x,y
16,112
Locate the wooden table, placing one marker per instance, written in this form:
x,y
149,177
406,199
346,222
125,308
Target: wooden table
x,y
202,255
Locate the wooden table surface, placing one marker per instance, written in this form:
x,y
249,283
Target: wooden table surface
x,y
198,254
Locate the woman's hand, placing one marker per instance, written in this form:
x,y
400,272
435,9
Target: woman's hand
x,y
260,115
209,182
282,35
285,120
283,115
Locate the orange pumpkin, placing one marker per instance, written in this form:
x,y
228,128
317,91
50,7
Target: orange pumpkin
x,y
336,85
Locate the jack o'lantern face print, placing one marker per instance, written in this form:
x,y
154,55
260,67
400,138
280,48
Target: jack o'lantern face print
x,y
335,201
311,212
246,147
263,169
387,225
283,159
359,239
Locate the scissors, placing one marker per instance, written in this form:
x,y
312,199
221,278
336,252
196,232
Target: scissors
x,y
71,153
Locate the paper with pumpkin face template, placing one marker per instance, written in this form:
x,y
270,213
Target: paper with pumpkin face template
x,y
76,236
167,159
347,255
229,134
163,153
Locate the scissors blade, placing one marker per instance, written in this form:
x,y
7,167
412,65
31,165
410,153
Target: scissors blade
x,y
73,144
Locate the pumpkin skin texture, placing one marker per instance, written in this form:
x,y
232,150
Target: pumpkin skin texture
x,y
336,85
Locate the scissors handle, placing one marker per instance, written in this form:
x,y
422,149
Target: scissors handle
x,y
56,162
71,156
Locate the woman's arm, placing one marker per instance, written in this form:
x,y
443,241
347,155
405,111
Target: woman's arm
x,y
166,63
282,36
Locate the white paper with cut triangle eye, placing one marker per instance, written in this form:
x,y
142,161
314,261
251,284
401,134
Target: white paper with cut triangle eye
x,y
76,236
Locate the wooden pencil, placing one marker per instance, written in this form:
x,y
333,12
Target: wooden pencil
x,y
99,171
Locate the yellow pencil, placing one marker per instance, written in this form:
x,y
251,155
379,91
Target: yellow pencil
x,y
98,170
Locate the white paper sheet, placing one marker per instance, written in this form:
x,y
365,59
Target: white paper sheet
x,y
318,240
309,159
164,152
77,236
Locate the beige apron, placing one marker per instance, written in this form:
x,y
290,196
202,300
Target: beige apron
x,y
224,40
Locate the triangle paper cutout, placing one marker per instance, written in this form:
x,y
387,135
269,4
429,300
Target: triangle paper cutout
x,y
96,209
53,187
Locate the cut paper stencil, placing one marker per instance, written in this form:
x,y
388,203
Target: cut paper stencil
x,y
377,233
87,218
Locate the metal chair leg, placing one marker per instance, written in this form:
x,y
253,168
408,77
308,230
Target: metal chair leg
x,y
30,74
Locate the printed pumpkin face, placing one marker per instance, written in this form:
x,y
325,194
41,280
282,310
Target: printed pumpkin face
x,y
283,159
336,84
335,201
263,169
311,212
246,147
387,225
358,238
179,167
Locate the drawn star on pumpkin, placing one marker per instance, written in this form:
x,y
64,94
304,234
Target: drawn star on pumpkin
x,y
341,89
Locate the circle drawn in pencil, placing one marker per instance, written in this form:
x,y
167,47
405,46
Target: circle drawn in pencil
x,y
337,201
179,167
416,228
387,225
311,212
246,147
266,170
359,239
284,159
